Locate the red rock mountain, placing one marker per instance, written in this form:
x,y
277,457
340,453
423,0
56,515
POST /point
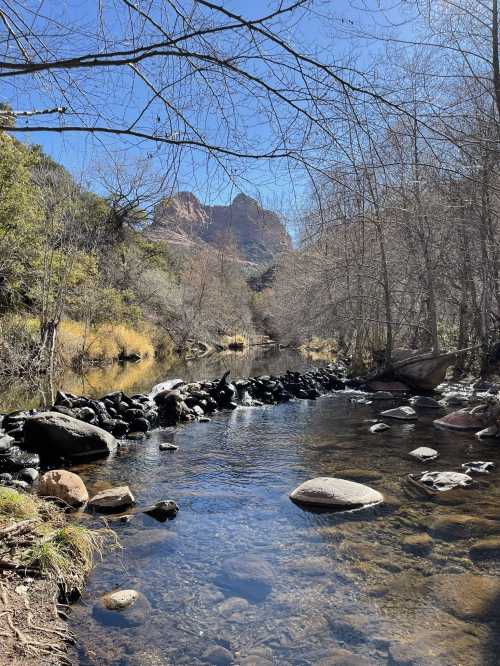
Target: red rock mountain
x,y
253,233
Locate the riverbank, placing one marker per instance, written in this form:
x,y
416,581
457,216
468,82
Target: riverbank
x,y
45,559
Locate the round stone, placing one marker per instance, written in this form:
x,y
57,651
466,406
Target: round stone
x,y
337,493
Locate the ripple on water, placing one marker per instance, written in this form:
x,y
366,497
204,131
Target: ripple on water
x,y
345,588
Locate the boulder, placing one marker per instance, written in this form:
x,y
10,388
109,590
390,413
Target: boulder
x,y
443,481
461,420
113,499
65,486
379,427
424,453
218,655
123,608
335,493
490,432
55,435
401,413
246,576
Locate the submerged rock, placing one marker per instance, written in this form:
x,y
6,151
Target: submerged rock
x,y
418,544
113,499
491,431
335,493
486,549
424,453
247,576
468,596
65,486
443,481
401,413
462,526
55,435
123,608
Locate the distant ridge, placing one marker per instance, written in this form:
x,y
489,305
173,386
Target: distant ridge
x,y
252,232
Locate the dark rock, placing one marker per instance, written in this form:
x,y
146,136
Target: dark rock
x,y
218,655
29,474
5,443
139,425
162,510
120,428
15,459
5,478
59,435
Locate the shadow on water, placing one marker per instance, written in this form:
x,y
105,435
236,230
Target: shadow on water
x,y
377,586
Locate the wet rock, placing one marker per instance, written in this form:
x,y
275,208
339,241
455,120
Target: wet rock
x,y
454,399
16,459
424,453
424,402
382,395
362,475
167,446
478,467
6,442
418,544
113,499
468,596
139,425
311,566
486,549
462,526
136,436
246,576
461,420
335,493
29,474
341,657
65,486
401,413
443,481
120,599
162,510
54,435
123,608
119,428
218,655
379,427
5,478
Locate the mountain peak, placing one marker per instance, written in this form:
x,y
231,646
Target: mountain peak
x,y
254,233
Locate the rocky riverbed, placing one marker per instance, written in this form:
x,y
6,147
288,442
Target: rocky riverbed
x,y
309,587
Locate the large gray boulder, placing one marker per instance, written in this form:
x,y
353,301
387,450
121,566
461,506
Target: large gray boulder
x,y
54,435
401,413
337,493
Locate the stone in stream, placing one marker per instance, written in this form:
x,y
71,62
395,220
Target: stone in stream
x,y
113,499
400,413
382,395
462,526
424,453
54,435
65,486
468,596
16,459
246,576
162,510
6,442
218,655
379,427
443,481
462,420
424,402
29,474
454,399
336,493
123,608
168,446
478,467
418,544
486,549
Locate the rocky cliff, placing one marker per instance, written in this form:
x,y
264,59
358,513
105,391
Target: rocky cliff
x,y
244,227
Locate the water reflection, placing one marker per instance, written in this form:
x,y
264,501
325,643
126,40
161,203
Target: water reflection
x,y
390,585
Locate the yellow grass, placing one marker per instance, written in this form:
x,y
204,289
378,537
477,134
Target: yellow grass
x,y
107,341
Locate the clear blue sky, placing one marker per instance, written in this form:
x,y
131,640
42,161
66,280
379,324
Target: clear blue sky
x,y
274,183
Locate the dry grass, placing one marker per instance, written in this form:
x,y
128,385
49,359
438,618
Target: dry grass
x,y
319,349
105,342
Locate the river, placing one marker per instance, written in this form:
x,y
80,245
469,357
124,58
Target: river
x,y
368,587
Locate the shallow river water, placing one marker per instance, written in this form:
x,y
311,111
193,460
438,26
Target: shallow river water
x,y
328,588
